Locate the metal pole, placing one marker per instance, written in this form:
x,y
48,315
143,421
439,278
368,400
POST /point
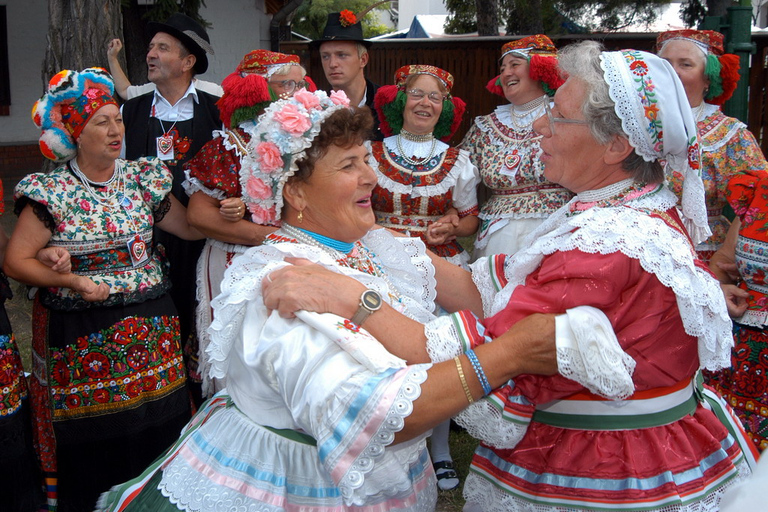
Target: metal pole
x,y
738,41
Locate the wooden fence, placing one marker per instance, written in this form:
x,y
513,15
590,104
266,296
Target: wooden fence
x,y
473,61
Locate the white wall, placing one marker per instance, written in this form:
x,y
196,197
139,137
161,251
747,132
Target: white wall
x,y
27,22
238,26
410,8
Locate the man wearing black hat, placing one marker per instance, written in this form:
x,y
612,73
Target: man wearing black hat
x,y
344,54
173,123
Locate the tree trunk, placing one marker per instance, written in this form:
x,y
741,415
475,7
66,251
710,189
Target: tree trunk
x,y
78,33
487,17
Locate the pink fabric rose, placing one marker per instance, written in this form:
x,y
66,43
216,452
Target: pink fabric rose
x,y
292,120
261,215
269,156
257,189
339,98
307,99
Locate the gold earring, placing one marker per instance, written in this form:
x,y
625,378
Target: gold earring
x,y
300,217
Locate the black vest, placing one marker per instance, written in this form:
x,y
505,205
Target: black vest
x,y
142,130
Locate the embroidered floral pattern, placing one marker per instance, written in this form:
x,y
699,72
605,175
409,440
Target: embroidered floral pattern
x,y
528,193
216,168
727,148
135,359
95,233
13,386
645,91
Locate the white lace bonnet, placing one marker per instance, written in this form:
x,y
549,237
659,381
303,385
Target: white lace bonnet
x,y
282,135
655,114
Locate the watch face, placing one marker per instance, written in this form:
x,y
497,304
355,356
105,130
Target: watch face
x,y
371,300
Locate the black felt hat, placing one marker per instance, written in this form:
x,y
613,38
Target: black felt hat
x,y
191,34
338,29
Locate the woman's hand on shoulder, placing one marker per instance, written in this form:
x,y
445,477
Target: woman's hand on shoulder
x,y
304,285
56,258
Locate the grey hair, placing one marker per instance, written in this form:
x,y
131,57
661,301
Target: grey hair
x,y
286,68
582,61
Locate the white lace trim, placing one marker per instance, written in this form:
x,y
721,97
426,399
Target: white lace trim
x,y
192,185
720,142
483,420
437,189
589,353
405,260
660,250
352,485
442,339
486,125
483,495
415,149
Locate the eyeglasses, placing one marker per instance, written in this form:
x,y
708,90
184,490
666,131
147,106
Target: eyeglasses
x,y
417,94
552,119
288,86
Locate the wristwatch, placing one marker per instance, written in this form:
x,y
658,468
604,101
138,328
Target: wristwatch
x,y
370,301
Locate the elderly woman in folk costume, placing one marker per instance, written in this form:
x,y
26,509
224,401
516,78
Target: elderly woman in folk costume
x,y
710,77
625,424
109,386
505,148
214,178
426,188
316,414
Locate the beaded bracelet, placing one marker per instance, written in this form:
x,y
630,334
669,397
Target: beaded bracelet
x,y
463,380
479,371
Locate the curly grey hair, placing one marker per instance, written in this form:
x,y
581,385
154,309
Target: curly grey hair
x,y
582,61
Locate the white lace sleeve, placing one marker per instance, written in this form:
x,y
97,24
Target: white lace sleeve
x,y
488,421
442,339
589,353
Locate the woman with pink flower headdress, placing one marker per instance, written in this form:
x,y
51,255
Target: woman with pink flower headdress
x,y
316,414
214,185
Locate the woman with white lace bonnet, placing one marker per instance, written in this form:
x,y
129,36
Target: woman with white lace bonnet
x,y
624,423
317,415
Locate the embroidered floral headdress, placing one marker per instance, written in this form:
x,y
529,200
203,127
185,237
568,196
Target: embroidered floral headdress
x,y
722,69
541,54
64,110
283,133
655,114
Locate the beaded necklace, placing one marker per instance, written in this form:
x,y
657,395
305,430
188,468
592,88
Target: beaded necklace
x,y
359,258
119,190
524,111
415,138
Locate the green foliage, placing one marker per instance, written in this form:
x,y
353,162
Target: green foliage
x,y
556,16
162,9
311,17
693,12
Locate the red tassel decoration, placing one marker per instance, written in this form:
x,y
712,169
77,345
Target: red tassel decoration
x,y
544,69
239,92
729,73
494,86
385,95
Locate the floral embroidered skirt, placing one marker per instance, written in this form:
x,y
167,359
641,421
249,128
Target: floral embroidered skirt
x,y
19,475
745,384
109,395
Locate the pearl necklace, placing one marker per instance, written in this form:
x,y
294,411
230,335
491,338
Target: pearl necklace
x,y
415,162
118,192
525,111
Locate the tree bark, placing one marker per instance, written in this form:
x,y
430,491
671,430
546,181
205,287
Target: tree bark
x,y
78,33
487,17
